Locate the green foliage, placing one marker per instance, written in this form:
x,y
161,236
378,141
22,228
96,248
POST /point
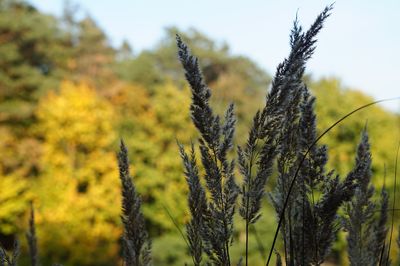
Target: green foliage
x,y
150,125
169,249
27,38
92,55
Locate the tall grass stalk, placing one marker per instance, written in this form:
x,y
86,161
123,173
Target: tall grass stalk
x,y
32,240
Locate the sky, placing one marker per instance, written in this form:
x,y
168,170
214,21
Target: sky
x,y
360,43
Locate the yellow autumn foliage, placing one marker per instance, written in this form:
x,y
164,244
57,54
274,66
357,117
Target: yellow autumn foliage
x,y
78,194
13,187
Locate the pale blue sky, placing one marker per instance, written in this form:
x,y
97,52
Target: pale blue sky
x,y
359,44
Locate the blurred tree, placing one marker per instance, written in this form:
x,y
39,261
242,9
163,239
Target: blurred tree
x,y
77,195
93,54
13,199
125,52
87,54
140,69
151,125
232,78
27,39
31,52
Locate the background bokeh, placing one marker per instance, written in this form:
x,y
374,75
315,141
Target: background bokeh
x,y
73,83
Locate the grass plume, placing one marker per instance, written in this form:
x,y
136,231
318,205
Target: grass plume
x,y
215,142
136,244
